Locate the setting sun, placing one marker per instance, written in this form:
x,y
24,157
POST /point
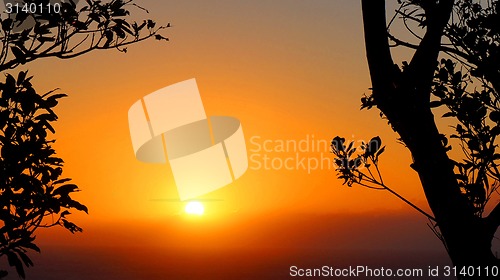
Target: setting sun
x,y
194,208
210,155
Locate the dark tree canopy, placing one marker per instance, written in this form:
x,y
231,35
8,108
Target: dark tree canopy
x,y
455,67
71,32
33,193
31,187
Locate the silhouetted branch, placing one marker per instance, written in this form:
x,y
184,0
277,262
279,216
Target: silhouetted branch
x,y
350,166
32,193
410,203
422,65
102,25
405,23
385,187
449,50
378,53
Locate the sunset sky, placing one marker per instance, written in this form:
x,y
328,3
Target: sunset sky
x,y
289,71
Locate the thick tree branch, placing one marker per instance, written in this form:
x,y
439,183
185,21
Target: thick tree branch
x,y
424,61
378,52
404,99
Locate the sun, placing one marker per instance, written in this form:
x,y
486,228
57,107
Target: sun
x,y
194,208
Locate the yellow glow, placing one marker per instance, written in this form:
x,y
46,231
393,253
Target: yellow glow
x,y
194,208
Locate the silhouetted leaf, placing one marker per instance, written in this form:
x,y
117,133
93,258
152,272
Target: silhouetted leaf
x,y
65,213
47,126
16,262
350,146
7,24
65,190
44,39
19,54
95,17
435,104
109,38
337,144
71,226
151,24
20,78
160,37
26,260
78,206
46,117
51,101
374,145
380,152
31,246
62,181
495,116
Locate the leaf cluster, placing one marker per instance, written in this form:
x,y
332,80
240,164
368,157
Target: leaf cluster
x,y
477,113
360,166
32,192
474,33
74,31
353,163
467,83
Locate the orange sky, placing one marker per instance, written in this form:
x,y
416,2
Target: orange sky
x,y
287,70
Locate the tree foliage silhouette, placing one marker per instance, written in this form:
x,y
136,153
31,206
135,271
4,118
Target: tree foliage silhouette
x,y
456,67
32,193
72,32
31,184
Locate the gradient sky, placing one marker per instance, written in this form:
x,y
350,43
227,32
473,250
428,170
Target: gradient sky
x,y
289,70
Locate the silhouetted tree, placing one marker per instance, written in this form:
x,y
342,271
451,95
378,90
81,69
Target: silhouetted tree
x,y
71,32
30,185
32,193
455,65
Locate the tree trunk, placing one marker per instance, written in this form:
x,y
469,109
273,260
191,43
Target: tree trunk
x,y
403,97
